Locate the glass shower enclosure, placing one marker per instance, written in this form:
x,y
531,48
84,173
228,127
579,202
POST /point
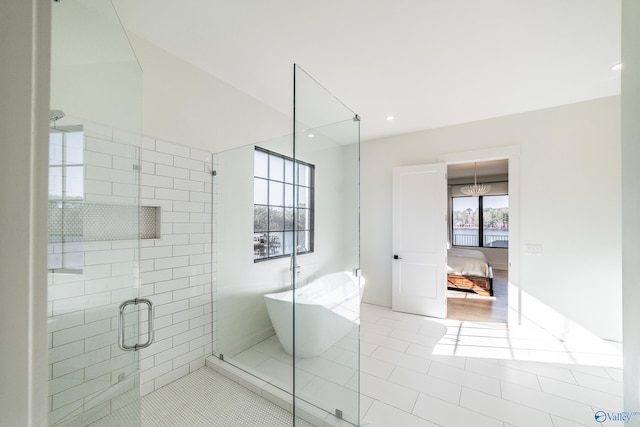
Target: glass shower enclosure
x,y
94,219
288,280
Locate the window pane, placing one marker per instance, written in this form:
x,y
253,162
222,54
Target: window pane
x,y
260,218
275,244
288,218
304,218
288,195
55,148
288,171
465,221
261,164
288,242
74,182
304,241
55,182
276,168
276,193
259,246
74,143
495,218
304,197
276,219
260,191
303,175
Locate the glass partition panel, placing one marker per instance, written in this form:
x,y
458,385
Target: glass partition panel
x,y
327,283
254,236
94,219
288,283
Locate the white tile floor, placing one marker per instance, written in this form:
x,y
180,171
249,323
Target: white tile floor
x,y
417,371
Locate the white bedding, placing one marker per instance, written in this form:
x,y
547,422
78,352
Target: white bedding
x,y
467,262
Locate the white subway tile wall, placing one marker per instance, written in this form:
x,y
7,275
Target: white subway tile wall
x,y
175,273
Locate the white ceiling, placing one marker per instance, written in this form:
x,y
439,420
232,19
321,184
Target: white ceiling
x,y
431,63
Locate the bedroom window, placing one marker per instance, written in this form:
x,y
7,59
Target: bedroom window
x,y
481,221
283,198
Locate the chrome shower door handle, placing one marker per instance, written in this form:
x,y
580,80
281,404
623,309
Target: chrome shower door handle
x,y
121,324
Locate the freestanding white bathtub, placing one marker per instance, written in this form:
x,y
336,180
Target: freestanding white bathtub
x,y
325,311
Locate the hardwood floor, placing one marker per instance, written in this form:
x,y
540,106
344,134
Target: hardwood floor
x,y
477,308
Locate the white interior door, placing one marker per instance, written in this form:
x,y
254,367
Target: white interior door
x,y
419,240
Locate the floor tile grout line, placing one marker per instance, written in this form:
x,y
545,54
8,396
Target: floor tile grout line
x,y
577,401
538,410
480,413
413,407
421,417
507,399
593,388
364,416
536,373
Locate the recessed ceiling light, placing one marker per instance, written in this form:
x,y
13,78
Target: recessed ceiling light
x,y
311,135
390,118
617,67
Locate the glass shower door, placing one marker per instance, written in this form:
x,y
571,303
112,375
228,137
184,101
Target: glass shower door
x,y
96,319
92,271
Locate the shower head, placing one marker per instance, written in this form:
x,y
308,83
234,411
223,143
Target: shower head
x,y
56,115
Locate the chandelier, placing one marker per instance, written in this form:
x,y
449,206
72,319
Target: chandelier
x,y
475,189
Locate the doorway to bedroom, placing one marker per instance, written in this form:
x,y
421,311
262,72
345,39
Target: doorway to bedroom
x,y
478,241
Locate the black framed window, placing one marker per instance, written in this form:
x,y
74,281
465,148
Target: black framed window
x,y
480,221
283,205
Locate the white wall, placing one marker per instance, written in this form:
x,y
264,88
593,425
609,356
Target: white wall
x,y
631,202
183,103
569,200
94,72
24,108
146,87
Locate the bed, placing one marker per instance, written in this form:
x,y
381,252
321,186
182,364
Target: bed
x,y
469,270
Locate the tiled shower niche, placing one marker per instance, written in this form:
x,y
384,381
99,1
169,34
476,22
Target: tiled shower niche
x,y
90,222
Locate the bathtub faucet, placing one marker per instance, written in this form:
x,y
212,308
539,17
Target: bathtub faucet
x,y
295,267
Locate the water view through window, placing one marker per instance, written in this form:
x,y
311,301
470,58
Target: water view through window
x,y
481,221
282,205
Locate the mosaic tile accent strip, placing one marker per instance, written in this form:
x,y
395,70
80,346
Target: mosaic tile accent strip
x,y
65,222
149,216
90,222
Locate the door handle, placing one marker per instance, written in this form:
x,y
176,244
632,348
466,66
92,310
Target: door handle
x,y
136,346
397,257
